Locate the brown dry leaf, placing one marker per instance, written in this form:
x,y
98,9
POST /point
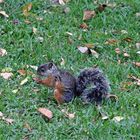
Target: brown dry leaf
x,y
138,45
24,81
6,75
61,2
90,46
26,9
111,41
3,52
27,126
101,8
128,39
34,30
93,52
126,55
4,14
1,1
136,64
22,72
84,26
83,49
118,51
27,22
46,112
88,14
118,118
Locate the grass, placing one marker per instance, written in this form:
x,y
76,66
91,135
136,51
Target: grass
x,y
24,49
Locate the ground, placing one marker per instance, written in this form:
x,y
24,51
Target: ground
x,y
26,48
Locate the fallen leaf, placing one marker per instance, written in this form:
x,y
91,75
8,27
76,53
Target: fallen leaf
x,y
61,2
93,52
4,14
22,72
8,120
40,39
62,62
136,64
118,51
84,26
126,55
124,32
83,49
15,91
101,8
45,112
111,5
26,9
90,46
118,118
138,52
3,52
105,117
71,115
69,33
6,75
27,22
1,1
88,14
24,81
27,126
128,39
33,67
34,30
137,14
138,45
1,114
111,41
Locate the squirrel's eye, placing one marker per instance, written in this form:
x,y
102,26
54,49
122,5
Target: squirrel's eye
x,y
42,70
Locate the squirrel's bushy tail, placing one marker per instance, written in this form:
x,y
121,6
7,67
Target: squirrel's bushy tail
x,y
92,85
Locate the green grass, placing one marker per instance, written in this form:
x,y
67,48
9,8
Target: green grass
x,y
24,49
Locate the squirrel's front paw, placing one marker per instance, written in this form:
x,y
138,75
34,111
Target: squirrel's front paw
x,y
37,80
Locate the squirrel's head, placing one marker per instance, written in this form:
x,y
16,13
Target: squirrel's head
x,y
47,69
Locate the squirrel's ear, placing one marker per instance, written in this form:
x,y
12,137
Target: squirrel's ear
x,y
50,64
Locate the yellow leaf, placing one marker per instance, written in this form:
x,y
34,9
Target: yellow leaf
x,y
26,9
24,81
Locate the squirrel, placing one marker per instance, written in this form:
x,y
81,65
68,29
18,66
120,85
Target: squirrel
x,y
91,84
62,81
